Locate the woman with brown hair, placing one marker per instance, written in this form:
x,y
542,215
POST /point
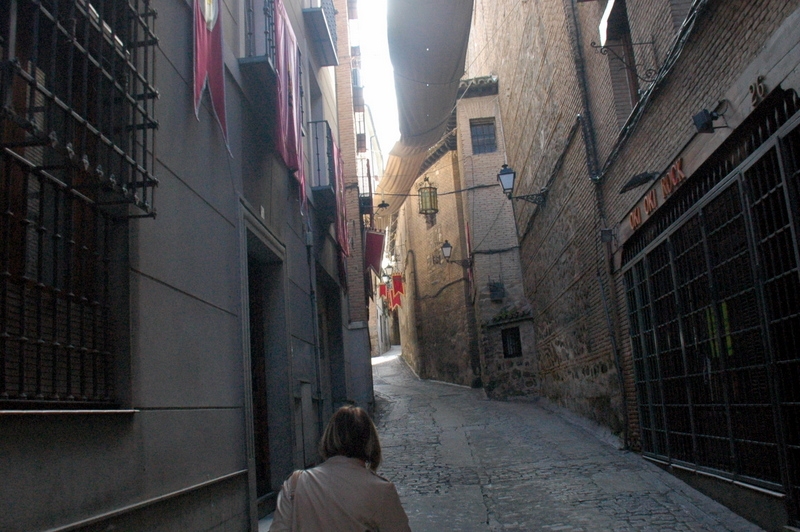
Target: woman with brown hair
x,y
344,493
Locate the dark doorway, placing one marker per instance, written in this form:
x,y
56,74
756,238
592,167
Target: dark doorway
x,y
257,275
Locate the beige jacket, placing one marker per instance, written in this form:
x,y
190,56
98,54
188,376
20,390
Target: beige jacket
x,y
339,495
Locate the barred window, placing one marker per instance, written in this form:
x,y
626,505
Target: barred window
x,y
512,344
483,137
76,161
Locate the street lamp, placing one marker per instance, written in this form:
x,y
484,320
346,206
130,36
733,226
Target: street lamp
x,y
447,251
506,178
387,273
428,201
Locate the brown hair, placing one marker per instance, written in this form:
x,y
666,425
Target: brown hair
x,y
351,433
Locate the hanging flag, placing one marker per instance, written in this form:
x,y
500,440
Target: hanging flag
x,y
208,68
382,291
373,249
289,132
397,283
395,300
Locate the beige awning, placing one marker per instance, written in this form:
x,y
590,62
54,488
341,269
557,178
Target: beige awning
x,y
428,45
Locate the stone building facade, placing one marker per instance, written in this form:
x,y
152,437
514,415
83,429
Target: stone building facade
x,y
662,293
465,318
435,332
174,323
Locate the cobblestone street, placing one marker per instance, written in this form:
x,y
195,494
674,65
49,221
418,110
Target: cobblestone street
x,y
461,462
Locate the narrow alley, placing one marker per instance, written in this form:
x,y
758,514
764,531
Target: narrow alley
x,y
463,463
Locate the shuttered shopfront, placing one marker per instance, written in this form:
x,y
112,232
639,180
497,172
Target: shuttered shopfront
x,y
713,294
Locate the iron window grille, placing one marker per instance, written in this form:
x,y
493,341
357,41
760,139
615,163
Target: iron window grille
x,y
77,137
512,343
483,135
257,24
714,311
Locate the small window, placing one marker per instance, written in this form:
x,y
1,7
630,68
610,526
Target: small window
x,y
621,62
483,137
512,345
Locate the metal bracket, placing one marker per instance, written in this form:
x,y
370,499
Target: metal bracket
x,y
649,74
538,199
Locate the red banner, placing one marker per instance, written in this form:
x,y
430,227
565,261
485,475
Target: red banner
x,y
397,283
208,70
394,300
373,250
289,132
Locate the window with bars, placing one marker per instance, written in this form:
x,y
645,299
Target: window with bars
x,y
483,135
714,310
512,343
76,162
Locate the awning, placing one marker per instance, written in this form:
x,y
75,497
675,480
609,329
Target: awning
x,y
373,250
428,46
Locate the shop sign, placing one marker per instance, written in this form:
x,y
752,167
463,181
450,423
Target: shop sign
x,y
668,184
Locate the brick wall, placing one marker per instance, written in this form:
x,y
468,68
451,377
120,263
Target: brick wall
x,y
530,46
437,336
356,296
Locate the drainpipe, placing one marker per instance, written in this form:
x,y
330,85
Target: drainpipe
x,y
315,325
592,165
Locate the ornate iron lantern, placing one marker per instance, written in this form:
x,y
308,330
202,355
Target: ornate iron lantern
x,y
428,201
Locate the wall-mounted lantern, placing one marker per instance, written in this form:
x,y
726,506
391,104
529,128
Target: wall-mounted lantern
x,y
447,251
428,201
506,178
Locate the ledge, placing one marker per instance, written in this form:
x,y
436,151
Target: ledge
x,y
63,412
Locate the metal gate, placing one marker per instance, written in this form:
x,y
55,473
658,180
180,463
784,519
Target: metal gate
x,y
713,294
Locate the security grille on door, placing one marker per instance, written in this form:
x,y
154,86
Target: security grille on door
x,y
713,293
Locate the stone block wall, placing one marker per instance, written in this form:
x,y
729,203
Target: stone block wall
x,y
436,333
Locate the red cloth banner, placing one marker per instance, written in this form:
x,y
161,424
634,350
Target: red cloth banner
x,y
373,250
394,300
208,68
397,283
342,234
382,291
289,132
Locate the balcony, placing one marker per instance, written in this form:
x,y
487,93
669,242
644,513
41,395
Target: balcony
x,y
323,169
358,99
258,65
321,25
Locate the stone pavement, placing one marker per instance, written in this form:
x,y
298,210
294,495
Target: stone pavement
x,y
463,463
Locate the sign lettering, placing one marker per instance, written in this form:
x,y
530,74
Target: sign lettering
x,y
674,177
635,218
650,202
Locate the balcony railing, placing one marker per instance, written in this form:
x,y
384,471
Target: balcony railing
x,y
260,23
321,24
323,171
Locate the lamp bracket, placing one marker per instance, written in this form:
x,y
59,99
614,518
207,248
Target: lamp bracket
x,y
538,199
464,263
649,74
